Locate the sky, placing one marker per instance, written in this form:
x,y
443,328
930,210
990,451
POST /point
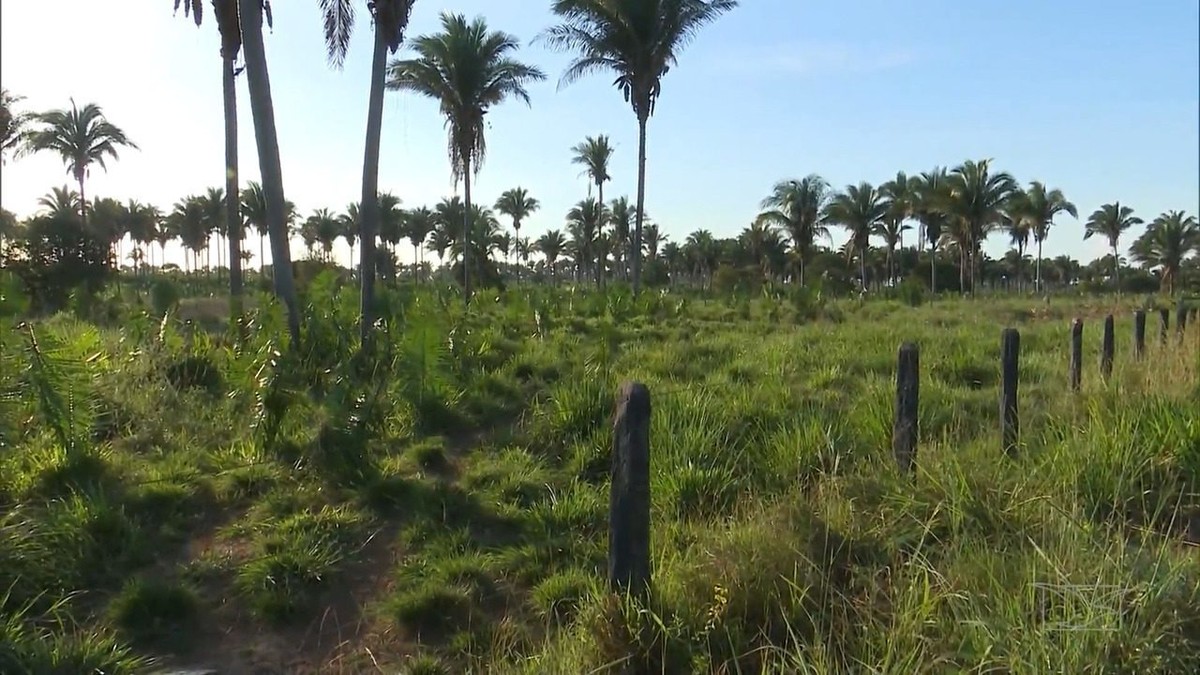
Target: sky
x,y
1100,98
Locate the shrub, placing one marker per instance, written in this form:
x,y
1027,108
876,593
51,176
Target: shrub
x,y
164,296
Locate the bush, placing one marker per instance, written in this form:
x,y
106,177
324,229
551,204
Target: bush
x,y
164,296
56,256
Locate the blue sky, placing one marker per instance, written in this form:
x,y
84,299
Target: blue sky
x,y
1098,98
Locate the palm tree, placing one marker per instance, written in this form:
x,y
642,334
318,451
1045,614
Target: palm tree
x,y
859,209
1169,239
651,239
762,243
585,221
1111,220
798,206
143,224
1041,207
467,69
594,153
230,30
638,41
188,222
551,245
620,215
1016,221
213,202
929,195
81,138
323,228
60,202
518,205
262,108
419,224
891,230
974,200
390,18
349,225
392,220
12,123
701,248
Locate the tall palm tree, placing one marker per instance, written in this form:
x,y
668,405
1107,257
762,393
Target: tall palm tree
x,y
1110,220
585,221
551,245
929,196
81,138
859,209
638,41
323,228
762,243
12,123
392,220
901,195
230,30
891,230
518,205
189,222
349,226
142,225
214,203
702,250
390,18
975,198
1041,207
250,15
468,69
798,206
620,215
594,154
1169,239
419,224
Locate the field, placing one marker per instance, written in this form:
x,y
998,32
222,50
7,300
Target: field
x,y
189,494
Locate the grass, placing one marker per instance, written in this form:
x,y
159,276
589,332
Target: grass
x,y
175,494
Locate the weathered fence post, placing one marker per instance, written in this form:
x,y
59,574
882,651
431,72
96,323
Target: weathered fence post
x,y
1139,333
1010,352
1106,348
1164,323
908,390
1076,354
629,496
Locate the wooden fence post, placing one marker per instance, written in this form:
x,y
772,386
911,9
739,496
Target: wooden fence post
x,y
1076,354
905,427
1106,348
1010,352
1164,323
629,496
1139,333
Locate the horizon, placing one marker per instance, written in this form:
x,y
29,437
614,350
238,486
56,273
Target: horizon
x,y
735,116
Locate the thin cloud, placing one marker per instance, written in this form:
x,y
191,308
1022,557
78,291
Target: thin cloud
x,y
814,59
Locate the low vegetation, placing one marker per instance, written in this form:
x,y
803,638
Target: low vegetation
x,y
181,491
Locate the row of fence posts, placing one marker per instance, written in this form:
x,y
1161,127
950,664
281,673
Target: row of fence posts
x,y
629,492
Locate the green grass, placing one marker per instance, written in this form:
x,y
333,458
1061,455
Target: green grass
x,y
442,507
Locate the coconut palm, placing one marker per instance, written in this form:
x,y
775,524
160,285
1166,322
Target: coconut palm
x,y
638,41
390,18
594,154
349,225
585,222
81,138
230,31
1165,244
1041,207
518,205
323,228
468,69
891,230
392,220
188,221
701,249
859,209
12,123
1110,220
763,244
620,216
974,200
419,224
142,225
551,245
928,196
798,206
277,220
213,203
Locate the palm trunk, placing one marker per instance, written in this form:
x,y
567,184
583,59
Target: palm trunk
x,y
267,140
369,217
415,266
82,198
932,270
1037,272
466,243
1116,269
641,203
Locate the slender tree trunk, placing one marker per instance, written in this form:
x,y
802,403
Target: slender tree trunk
x,y
932,270
369,216
416,268
265,135
641,204
1116,269
82,198
466,247
1037,274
